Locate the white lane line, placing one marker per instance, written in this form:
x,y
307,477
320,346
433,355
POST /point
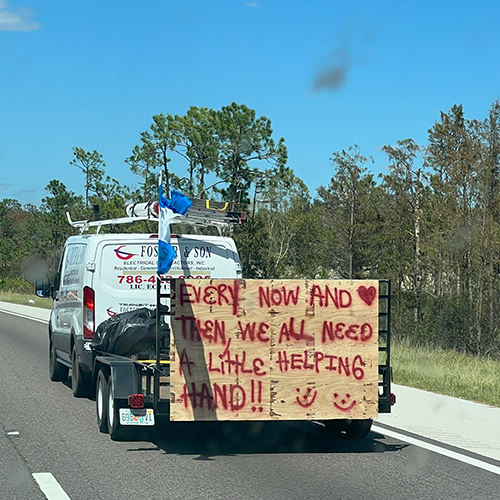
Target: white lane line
x,y
25,316
49,486
437,449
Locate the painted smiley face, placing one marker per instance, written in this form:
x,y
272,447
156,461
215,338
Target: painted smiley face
x,y
308,398
345,403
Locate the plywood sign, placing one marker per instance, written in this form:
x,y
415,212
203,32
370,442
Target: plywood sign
x,y
274,349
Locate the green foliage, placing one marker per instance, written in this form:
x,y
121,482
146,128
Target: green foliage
x,y
54,207
351,215
242,138
92,165
16,285
446,372
431,225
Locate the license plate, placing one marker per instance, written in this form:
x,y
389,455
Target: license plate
x,y
144,416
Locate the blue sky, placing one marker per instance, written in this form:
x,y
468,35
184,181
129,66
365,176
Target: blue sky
x,y
92,74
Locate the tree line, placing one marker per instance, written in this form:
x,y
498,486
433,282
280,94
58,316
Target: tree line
x,y
430,224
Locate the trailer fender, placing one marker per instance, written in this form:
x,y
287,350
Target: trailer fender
x,y
126,378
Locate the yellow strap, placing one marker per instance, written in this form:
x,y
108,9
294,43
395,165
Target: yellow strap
x,y
207,204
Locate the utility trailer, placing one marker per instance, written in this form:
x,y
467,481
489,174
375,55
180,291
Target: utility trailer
x,y
257,350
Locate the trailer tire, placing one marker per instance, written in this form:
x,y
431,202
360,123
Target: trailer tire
x,y
57,371
116,431
351,429
101,402
79,382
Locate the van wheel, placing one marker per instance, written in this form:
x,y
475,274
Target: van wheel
x,y
101,402
351,429
357,429
57,371
117,432
79,382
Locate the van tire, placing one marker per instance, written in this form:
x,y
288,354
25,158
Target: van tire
x,y
351,429
101,402
116,431
79,382
57,371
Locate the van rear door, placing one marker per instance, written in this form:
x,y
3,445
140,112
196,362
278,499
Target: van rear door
x,y
125,275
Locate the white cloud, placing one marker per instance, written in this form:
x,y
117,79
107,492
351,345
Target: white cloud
x,y
26,195
251,4
21,20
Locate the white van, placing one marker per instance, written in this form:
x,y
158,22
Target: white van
x,y
101,275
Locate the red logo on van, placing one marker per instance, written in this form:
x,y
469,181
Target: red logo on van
x,y
121,254
110,312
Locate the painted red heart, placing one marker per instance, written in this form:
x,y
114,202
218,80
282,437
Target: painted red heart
x,y
367,295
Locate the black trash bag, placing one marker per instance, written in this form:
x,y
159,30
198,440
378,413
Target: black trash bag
x,y
131,333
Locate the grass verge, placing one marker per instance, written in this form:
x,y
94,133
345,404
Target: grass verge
x,y
21,298
447,372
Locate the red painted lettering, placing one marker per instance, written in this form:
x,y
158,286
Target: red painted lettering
x,y
334,298
331,332
331,359
206,397
198,399
264,297
283,362
211,295
296,360
290,296
184,361
186,295
188,328
211,368
237,397
345,299
357,371
306,366
220,396
277,296
256,394
344,365
288,331
318,357
339,298
316,292
351,332
257,365
235,295
218,328
248,331
366,332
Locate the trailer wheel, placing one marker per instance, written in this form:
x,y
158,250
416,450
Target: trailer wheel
x,y
79,382
117,432
57,371
101,402
351,429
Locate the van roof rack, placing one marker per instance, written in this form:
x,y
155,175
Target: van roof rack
x,y
202,213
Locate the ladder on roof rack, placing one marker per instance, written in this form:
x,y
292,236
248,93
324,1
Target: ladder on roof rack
x,y
202,213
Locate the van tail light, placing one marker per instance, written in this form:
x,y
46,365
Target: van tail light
x,y
88,313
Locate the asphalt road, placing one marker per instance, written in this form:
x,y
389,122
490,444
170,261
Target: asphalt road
x,y
58,435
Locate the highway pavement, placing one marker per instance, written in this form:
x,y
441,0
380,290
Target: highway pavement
x,y
429,448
